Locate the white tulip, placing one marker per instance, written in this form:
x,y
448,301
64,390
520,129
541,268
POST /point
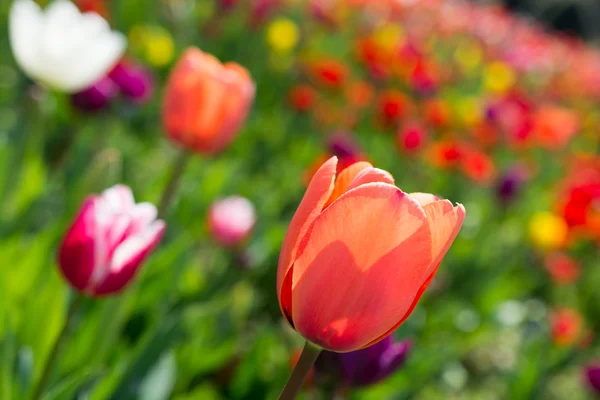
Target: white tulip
x,y
61,47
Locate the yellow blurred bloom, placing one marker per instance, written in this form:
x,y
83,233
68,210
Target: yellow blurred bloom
x,y
282,35
547,231
389,37
154,43
468,109
498,77
468,55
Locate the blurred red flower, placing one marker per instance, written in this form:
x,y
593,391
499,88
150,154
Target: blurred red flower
x,y
562,268
566,326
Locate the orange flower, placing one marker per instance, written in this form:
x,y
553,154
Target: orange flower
x,y
328,72
359,94
478,166
554,127
302,97
445,154
358,255
562,268
566,326
206,102
437,113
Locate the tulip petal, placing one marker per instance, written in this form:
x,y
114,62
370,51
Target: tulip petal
x,y
77,252
119,198
445,222
424,198
345,178
318,191
371,175
25,24
128,257
360,268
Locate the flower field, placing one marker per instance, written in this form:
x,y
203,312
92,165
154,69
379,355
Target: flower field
x,y
191,190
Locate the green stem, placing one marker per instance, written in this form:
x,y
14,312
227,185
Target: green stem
x,y
172,183
58,345
309,355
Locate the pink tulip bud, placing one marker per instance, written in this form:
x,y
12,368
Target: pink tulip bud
x,y
108,241
231,219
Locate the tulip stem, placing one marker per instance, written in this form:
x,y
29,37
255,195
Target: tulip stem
x,y
172,183
309,355
58,345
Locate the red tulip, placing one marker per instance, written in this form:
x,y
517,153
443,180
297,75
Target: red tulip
x,y
108,241
206,102
358,255
411,137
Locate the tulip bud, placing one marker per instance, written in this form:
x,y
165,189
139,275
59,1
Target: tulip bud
x,y
108,241
365,366
206,102
231,220
338,280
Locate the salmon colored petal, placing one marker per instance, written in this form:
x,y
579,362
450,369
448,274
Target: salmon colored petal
x,y
345,178
371,175
318,191
420,292
444,221
356,277
424,198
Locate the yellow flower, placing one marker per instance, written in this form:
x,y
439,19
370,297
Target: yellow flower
x,y
468,55
154,43
468,109
282,35
389,37
547,231
498,77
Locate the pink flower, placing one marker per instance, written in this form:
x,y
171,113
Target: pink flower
x,y
231,220
108,241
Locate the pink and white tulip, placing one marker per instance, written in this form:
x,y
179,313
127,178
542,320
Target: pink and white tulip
x,y
231,220
108,242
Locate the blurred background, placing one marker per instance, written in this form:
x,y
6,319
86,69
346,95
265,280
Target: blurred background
x,y
490,105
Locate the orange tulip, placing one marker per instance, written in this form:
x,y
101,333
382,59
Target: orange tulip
x,y
206,102
358,255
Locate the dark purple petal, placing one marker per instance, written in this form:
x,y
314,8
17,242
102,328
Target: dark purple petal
x,y
96,97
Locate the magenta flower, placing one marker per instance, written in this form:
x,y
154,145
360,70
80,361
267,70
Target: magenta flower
x,y
108,241
134,82
231,220
592,374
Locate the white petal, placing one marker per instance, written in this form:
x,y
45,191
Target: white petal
x,y
25,21
119,198
136,244
142,215
94,60
61,20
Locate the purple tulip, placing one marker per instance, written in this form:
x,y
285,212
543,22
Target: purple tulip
x,y
134,82
96,97
108,241
509,184
592,374
363,367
